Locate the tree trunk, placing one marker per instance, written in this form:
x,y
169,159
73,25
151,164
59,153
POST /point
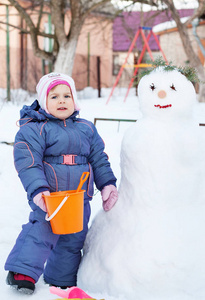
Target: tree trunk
x,y
192,56
201,73
65,58
67,48
67,44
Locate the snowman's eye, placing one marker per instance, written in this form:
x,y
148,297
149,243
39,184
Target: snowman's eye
x,y
152,87
173,87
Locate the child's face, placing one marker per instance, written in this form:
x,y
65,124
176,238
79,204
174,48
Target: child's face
x,y
60,102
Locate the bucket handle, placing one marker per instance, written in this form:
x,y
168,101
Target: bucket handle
x,y
47,218
83,178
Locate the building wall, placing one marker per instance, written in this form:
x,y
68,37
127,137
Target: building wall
x,y
100,31
13,44
173,47
201,55
127,70
100,36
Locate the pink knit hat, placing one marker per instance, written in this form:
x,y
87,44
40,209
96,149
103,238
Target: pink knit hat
x,y
47,82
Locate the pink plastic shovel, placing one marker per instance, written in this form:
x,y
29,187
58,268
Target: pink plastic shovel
x,y
71,293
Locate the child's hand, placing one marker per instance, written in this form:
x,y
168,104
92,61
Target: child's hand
x,y
39,201
109,196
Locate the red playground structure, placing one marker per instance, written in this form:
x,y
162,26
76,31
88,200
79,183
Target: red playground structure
x,y
138,65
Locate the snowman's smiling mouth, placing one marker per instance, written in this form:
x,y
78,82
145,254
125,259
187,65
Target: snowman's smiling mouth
x,y
163,106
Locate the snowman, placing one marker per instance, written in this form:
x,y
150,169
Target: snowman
x,y
151,245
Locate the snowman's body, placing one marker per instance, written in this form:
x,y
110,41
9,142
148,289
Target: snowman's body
x,y
151,245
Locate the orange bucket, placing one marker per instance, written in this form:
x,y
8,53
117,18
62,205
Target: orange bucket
x,y
65,209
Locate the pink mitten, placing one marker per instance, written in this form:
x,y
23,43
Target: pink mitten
x,y
109,196
39,201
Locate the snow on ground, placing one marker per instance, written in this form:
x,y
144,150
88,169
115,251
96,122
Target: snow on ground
x,y
14,207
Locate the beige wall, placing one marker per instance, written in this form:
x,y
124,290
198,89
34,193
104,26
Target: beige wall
x,y
33,63
100,45
173,48
14,47
100,32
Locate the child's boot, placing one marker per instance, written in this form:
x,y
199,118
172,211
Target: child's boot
x,y
21,283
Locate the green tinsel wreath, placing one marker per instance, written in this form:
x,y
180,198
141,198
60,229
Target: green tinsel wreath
x,y
189,72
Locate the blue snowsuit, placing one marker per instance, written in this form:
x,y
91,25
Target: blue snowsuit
x,y
39,149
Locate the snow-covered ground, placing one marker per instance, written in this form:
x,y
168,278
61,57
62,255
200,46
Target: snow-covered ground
x,y
14,207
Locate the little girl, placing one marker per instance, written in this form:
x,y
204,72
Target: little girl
x,y
51,151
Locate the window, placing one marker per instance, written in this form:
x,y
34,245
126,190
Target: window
x,y
116,65
48,43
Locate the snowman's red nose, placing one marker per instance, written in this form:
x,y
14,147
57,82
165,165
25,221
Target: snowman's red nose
x,y
162,94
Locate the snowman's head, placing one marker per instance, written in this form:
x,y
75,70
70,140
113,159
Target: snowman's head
x,y
166,94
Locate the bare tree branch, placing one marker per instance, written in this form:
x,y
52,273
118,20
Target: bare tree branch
x,y
64,43
33,32
58,20
200,10
23,30
16,27
188,48
23,13
94,6
148,2
40,14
